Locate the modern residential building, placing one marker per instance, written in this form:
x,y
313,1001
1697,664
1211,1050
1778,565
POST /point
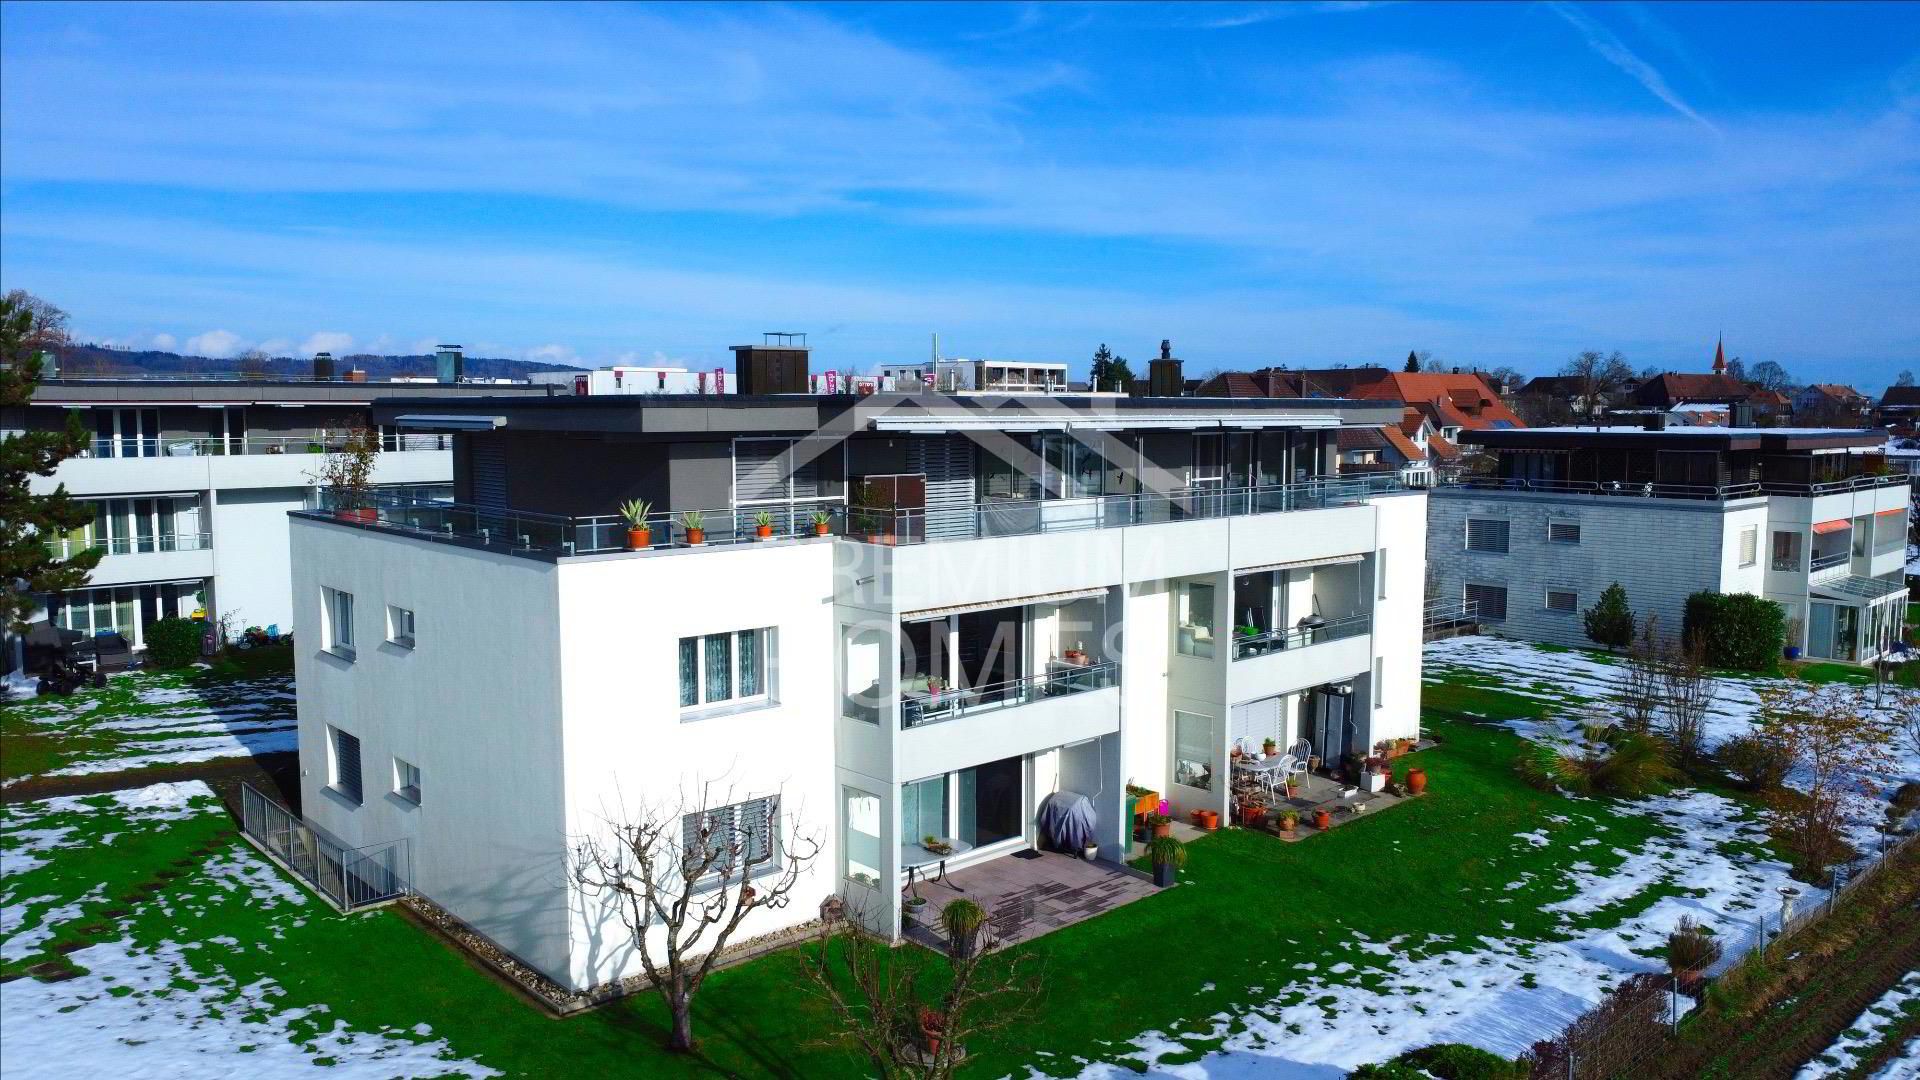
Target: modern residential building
x,y
1795,515
191,479
1010,598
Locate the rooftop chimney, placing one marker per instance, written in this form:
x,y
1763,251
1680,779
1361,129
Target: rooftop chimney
x,y
322,366
449,365
778,365
1163,374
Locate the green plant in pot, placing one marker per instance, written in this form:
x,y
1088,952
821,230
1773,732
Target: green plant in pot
x,y
639,533
912,907
1169,856
694,524
822,521
346,475
1289,821
962,921
763,524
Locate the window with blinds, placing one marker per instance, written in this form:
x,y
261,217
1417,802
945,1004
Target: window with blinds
x,y
345,764
1563,600
765,473
725,669
732,841
1490,601
1563,532
1487,534
1750,545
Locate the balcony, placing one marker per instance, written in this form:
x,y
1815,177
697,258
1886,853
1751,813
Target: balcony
x,y
1605,488
919,708
1285,661
132,545
132,560
243,445
1248,646
1010,720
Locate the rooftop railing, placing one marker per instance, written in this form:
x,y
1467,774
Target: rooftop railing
x,y
1248,646
107,447
1711,492
953,703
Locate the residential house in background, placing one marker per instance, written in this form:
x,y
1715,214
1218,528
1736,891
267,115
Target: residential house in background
x,y
1833,404
1011,600
1899,408
1811,519
190,480
1285,383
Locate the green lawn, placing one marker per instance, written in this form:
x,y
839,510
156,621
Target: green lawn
x,y
1438,874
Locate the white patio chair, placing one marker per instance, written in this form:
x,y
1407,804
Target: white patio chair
x,y
1275,779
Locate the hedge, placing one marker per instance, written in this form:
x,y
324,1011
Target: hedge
x,y
174,642
1738,631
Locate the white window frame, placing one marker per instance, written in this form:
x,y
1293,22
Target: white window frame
x,y
1506,535
400,626
1749,551
336,625
406,780
702,705
1546,601
1558,523
336,774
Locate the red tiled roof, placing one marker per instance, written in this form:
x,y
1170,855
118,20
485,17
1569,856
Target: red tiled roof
x,y
1478,405
1399,441
1360,438
1677,388
1441,448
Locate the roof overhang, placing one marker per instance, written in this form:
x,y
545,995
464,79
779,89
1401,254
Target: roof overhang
x,y
443,422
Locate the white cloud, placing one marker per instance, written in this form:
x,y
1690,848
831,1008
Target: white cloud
x,y
217,344
165,342
551,354
275,346
329,341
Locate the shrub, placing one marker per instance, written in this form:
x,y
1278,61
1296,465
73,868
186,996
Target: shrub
x,y
1736,631
174,643
1456,1061
1610,622
1390,1070
1637,766
1690,948
1759,763
1907,796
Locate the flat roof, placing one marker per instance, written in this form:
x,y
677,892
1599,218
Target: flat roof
x,y
62,393
1672,438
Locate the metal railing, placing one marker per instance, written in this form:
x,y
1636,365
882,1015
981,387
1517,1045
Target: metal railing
x,y
1608,488
247,445
1026,517
349,878
1829,561
1247,646
131,545
1441,612
1863,482
955,703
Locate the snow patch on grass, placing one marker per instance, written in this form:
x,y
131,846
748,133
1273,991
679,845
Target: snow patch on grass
x,y
1870,1029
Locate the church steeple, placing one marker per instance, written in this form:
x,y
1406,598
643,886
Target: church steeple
x,y
1720,356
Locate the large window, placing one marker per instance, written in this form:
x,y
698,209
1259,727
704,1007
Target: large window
x,y
725,669
733,840
923,810
860,838
336,615
343,763
1786,550
1196,631
1487,534
1193,750
990,802
1490,601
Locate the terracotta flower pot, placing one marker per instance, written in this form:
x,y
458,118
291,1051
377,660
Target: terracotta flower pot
x,y
820,528
1165,828
639,539
365,514
1323,819
1206,820
696,536
1416,780
763,531
1271,751
1251,816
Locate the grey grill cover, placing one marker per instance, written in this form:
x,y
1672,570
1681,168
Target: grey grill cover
x,y
1068,820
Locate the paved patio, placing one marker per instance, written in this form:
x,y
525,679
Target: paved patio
x,y
1029,894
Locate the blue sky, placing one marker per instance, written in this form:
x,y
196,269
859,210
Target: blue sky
x,y
1300,184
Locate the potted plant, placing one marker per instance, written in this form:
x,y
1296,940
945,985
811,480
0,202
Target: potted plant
x,y
1206,820
347,475
962,921
1160,824
1253,812
1270,747
639,533
1323,819
1293,785
911,908
821,522
695,524
933,1028
1289,822
1091,851
763,525
1168,855
1793,634
1416,780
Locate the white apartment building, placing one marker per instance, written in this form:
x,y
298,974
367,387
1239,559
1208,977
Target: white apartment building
x,y
1800,516
1015,597
191,479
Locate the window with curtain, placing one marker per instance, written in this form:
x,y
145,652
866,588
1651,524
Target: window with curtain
x,y
726,669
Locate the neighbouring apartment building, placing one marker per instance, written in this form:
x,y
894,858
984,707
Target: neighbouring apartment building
x,y
1800,516
190,480
1012,596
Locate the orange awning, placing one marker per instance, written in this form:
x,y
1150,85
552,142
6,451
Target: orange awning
x,y
1884,513
1833,526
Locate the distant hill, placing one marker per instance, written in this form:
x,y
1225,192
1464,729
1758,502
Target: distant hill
x,y
98,360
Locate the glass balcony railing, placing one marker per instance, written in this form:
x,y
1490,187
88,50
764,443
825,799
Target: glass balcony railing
x,y
132,545
390,443
1248,646
919,708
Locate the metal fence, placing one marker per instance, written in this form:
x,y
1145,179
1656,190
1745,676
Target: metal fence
x,y
349,878
1441,613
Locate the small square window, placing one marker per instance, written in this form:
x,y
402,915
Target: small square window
x,y
406,781
1563,532
400,626
336,617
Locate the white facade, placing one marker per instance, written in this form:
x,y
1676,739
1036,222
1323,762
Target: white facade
x,y
541,697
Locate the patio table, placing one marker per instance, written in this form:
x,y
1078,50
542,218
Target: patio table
x,y
914,857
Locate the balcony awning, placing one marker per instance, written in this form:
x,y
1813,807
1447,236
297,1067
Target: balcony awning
x,y
930,614
1856,590
1890,513
1301,564
1833,526
431,422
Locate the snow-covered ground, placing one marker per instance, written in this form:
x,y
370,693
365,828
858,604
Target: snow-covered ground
x,y
1504,994
1872,1028
143,719
144,1007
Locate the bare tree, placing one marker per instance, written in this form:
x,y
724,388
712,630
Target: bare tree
x,y
1596,377
252,364
46,323
682,878
1638,685
1833,734
911,1014
1688,687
